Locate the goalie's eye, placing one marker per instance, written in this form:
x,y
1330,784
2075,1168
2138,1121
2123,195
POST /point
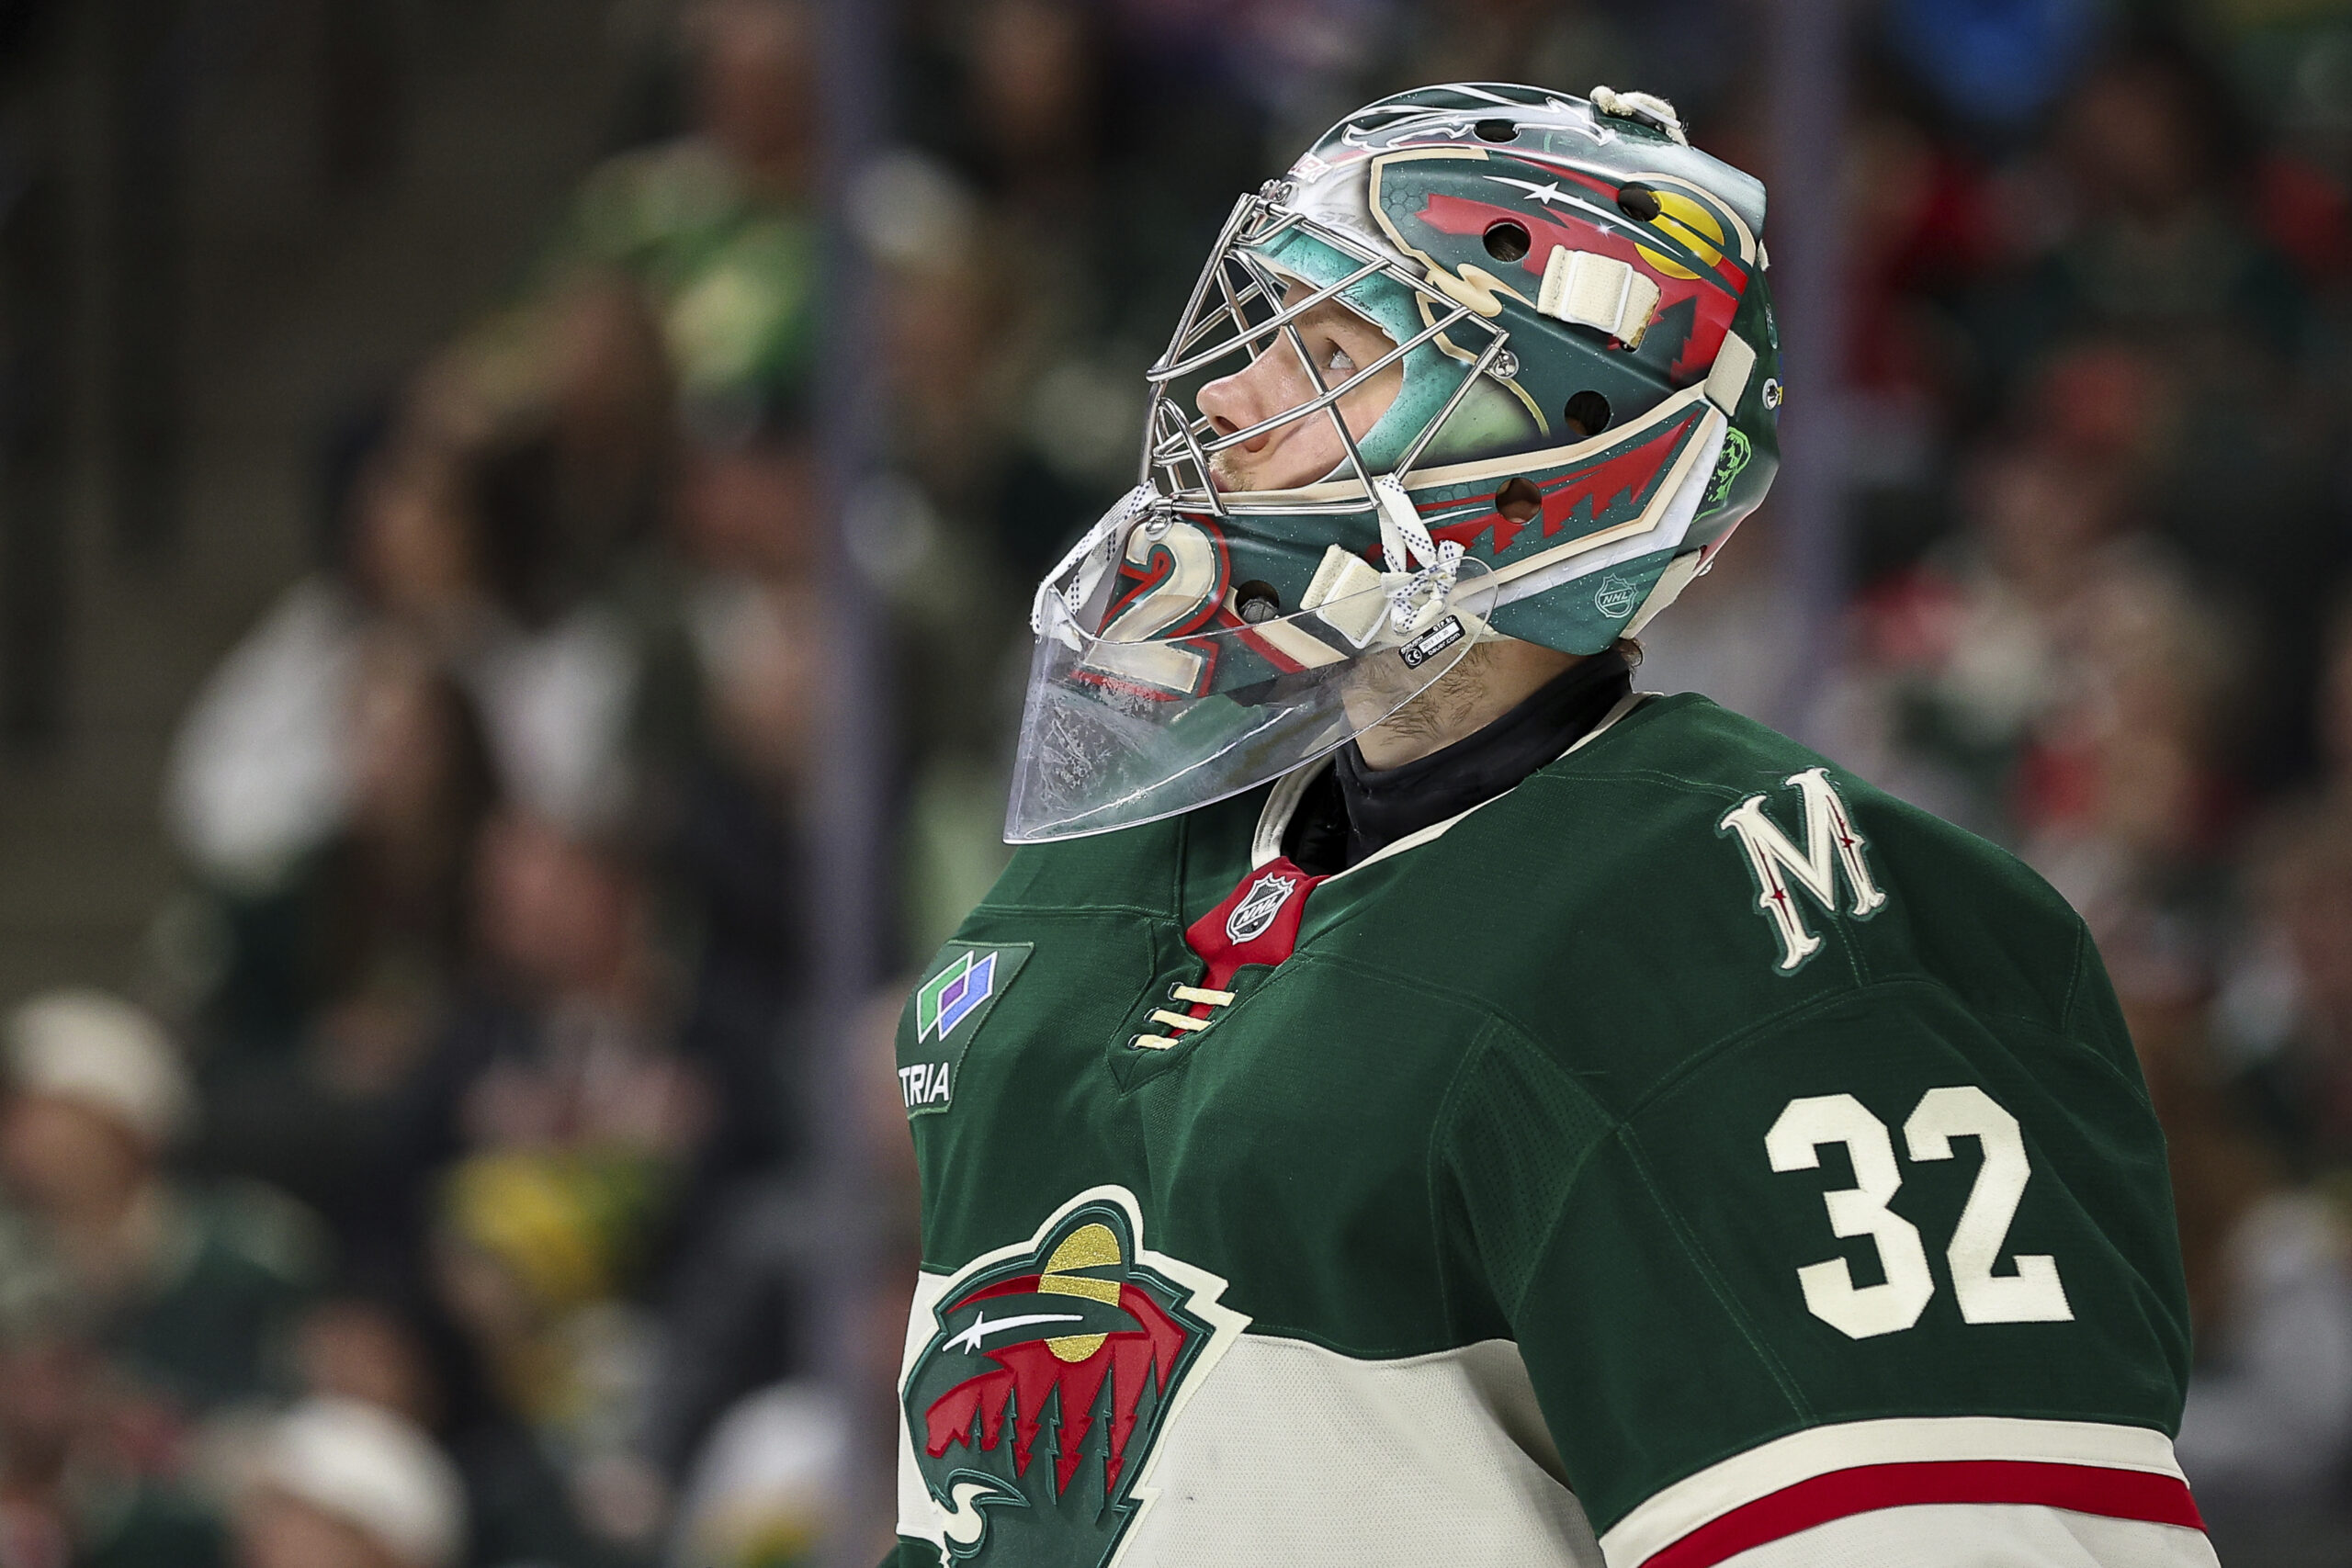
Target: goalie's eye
x,y
1342,362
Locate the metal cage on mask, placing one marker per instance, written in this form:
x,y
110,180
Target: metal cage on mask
x,y
1239,309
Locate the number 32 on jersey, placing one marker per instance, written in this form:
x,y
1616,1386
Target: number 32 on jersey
x,y
2030,1292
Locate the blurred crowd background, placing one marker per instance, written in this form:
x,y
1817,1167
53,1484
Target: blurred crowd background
x,y
414,638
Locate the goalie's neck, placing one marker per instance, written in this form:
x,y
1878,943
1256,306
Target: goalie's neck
x,y
1354,810
1492,679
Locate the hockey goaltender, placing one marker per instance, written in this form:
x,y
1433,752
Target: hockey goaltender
x,y
1413,1099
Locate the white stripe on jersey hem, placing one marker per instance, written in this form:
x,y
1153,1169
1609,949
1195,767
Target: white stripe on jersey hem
x,y
1965,1535
1698,1500
1273,821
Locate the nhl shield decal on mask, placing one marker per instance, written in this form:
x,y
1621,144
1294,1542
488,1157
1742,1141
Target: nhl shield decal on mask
x,y
1052,1370
949,1008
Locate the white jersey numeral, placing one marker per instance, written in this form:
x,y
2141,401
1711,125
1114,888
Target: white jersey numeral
x,y
1859,1311
2032,1293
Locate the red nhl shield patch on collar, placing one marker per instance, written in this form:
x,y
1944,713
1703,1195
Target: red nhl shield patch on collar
x,y
1258,922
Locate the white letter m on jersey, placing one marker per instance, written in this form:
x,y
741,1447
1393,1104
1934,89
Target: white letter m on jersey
x,y
1831,843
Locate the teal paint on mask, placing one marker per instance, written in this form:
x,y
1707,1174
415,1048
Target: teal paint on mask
x,y
1431,375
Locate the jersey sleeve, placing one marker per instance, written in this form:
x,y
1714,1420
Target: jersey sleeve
x,y
1882,1280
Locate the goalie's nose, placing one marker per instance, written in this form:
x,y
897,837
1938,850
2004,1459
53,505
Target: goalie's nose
x,y
1249,396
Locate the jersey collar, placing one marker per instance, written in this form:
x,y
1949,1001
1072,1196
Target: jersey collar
x,y
1273,819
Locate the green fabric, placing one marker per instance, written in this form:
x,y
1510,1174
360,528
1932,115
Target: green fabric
x,y
149,1524
211,1322
215,1327
1516,1081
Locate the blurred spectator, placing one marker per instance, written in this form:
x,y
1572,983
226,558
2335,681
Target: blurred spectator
x,y
714,226
2138,232
766,1489
376,1352
759,1462
2286,1016
1994,64
87,1470
193,1290
738,1318
342,1485
736,630
337,979
543,1157
2136,229
2267,1434
461,553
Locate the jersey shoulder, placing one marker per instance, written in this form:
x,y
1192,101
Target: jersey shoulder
x,y
1691,876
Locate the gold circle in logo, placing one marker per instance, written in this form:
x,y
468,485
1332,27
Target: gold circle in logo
x,y
1681,218
1088,1247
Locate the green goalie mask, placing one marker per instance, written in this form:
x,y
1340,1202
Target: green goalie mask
x,y
1588,384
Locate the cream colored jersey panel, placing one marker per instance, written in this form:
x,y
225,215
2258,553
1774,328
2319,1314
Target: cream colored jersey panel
x,y
1294,1455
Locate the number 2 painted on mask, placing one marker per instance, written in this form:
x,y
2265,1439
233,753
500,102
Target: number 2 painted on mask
x,y
2032,1294
1192,584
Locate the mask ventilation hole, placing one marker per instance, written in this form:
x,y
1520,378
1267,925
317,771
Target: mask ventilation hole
x,y
1518,500
1495,131
1639,203
1257,602
1587,415
1508,241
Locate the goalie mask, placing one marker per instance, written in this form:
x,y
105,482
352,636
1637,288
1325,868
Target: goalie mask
x,y
1585,370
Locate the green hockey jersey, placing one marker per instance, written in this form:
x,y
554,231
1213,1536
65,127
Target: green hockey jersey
x,y
1691,1156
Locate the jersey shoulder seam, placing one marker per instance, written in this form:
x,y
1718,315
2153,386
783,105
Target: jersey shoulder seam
x,y
1655,775
1703,1261
1621,1129
1706,1055
1021,909
1482,1007
2075,972
1441,1127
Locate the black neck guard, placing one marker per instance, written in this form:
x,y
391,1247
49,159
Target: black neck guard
x,y
1352,811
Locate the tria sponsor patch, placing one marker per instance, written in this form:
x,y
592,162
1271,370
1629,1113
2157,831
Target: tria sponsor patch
x,y
1050,1371
965,983
926,1083
953,995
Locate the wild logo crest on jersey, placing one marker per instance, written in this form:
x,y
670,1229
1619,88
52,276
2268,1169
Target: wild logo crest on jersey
x,y
1053,1371
1832,845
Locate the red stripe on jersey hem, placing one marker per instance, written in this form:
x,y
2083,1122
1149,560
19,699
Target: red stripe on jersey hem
x,y
2078,1488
